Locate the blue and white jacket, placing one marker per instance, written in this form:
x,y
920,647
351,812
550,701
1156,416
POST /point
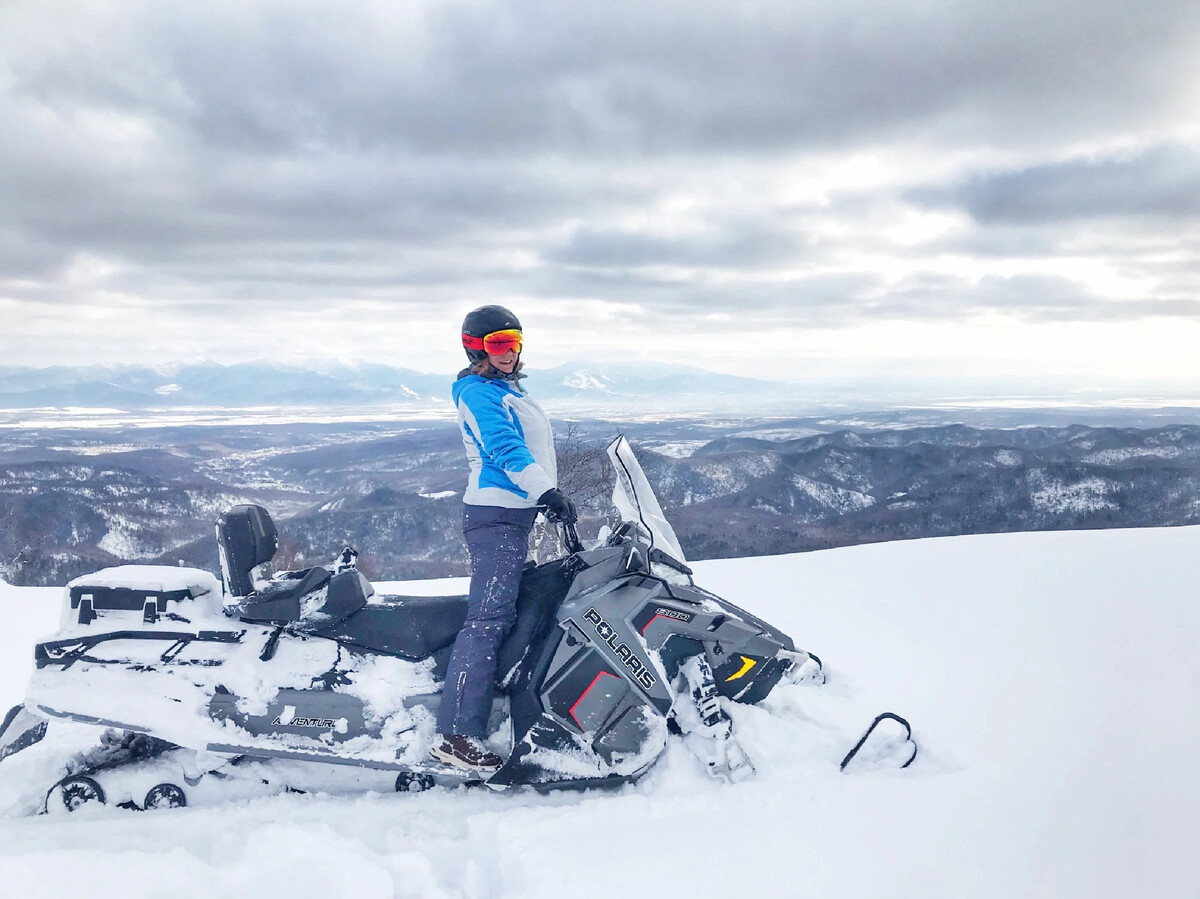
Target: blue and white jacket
x,y
508,440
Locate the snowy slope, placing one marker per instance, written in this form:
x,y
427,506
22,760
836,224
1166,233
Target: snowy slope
x,y
1051,678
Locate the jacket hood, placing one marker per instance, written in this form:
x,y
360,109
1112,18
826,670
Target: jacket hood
x,y
494,375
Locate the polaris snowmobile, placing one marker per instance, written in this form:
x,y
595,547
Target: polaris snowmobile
x,y
190,691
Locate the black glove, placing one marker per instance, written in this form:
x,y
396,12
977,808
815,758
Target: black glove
x,y
346,559
558,506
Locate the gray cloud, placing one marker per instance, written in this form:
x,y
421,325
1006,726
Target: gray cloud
x,y
1163,181
624,76
191,159
748,242
827,300
1035,298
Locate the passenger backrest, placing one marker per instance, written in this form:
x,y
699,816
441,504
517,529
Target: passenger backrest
x,y
246,538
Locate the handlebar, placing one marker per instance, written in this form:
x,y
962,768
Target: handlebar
x,y
571,537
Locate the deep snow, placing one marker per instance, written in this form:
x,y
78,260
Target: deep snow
x,y
1051,679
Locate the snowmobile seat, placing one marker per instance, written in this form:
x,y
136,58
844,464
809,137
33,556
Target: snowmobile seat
x,y
279,601
310,600
417,627
411,627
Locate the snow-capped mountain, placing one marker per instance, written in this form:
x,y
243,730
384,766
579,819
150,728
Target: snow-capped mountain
x,y
267,384
209,384
630,380
1050,679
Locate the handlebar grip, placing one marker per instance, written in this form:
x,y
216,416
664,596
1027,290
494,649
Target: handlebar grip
x,y
571,538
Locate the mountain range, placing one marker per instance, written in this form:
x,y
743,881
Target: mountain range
x,y
72,502
254,384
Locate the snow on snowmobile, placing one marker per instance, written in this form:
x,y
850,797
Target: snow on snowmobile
x,y
192,691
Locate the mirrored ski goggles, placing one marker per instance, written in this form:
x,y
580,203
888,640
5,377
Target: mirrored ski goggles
x,y
495,344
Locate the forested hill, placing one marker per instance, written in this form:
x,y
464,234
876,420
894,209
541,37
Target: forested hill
x,y
72,503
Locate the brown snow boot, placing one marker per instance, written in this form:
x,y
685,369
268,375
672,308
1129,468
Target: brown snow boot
x,y
465,752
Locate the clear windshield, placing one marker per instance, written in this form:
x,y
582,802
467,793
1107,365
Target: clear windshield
x,y
635,500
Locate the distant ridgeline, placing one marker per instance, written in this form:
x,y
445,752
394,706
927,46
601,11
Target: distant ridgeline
x,y
72,503
262,384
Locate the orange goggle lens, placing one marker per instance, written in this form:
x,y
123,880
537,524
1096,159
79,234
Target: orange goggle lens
x,y
500,342
497,343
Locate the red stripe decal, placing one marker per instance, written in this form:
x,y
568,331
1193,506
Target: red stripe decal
x,y
571,711
650,622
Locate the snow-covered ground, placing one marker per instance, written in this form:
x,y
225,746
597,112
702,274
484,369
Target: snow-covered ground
x,y
1052,681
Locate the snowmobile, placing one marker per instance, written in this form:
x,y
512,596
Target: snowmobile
x,y
192,691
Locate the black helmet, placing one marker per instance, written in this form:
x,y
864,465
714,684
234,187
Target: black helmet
x,y
481,322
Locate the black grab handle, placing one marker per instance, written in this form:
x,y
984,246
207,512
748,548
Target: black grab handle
x,y
863,739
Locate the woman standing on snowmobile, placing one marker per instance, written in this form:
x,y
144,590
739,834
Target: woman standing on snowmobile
x,y
510,448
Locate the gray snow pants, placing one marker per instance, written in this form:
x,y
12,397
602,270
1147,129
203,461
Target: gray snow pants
x,y
497,539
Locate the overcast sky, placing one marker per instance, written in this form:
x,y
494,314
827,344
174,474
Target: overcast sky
x,y
971,190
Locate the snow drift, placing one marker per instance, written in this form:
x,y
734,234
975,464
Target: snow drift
x,y
1050,678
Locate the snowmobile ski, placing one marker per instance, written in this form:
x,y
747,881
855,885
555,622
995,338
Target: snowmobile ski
x,y
20,730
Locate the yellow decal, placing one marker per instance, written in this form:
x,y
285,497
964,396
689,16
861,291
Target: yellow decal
x,y
747,664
